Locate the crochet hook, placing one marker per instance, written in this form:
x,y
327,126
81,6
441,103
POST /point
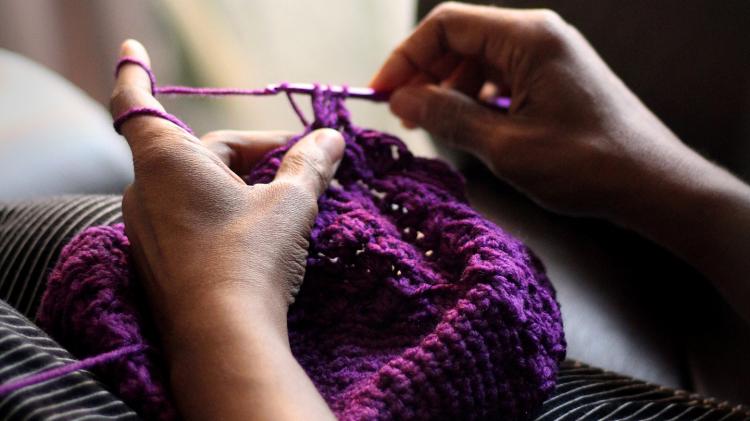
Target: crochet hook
x,y
276,88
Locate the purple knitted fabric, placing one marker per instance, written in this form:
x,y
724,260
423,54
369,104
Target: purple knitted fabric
x,y
413,305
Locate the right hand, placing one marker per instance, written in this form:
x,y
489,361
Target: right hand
x,y
575,138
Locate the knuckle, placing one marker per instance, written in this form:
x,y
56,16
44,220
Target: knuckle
x,y
296,162
166,138
296,192
121,99
548,17
159,152
448,10
445,8
161,133
296,200
150,161
549,30
309,164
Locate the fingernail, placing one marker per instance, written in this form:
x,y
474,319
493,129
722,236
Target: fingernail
x,y
126,48
407,103
331,142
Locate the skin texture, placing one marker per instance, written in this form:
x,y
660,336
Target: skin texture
x,y
221,261
575,138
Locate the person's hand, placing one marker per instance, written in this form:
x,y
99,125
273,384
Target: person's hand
x,y
196,228
575,138
220,260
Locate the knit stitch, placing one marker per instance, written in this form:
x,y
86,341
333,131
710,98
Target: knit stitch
x,y
413,305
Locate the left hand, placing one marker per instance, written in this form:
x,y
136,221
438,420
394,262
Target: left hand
x,y
221,261
196,228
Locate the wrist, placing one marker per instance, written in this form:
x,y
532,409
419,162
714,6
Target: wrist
x,y
231,359
707,224
221,318
663,186
685,205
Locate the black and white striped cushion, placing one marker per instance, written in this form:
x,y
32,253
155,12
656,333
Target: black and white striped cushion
x,y
31,236
24,349
588,393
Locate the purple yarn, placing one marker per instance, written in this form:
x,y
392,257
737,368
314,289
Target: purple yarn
x,y
100,310
132,60
413,305
64,369
272,89
127,115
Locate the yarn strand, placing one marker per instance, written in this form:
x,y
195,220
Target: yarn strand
x,y
272,89
154,112
62,370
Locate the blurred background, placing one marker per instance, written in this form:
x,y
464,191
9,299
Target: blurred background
x,y
234,43
627,305
229,43
687,60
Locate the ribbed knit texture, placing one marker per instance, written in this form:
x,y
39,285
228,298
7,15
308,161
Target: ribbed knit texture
x,y
413,305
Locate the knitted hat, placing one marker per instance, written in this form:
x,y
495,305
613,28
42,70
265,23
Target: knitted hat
x,y
444,314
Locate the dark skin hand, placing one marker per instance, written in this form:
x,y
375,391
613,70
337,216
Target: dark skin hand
x,y
575,139
220,260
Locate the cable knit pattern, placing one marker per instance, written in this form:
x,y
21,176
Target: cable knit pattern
x,y
413,305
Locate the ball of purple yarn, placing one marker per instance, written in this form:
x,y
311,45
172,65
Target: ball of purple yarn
x,y
413,305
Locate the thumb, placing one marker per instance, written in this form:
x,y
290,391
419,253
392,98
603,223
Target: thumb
x,y
313,160
450,116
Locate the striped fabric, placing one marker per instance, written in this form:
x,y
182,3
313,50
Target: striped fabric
x,y
31,236
25,349
588,393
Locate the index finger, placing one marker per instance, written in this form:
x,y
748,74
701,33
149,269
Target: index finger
x,y
466,30
133,90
